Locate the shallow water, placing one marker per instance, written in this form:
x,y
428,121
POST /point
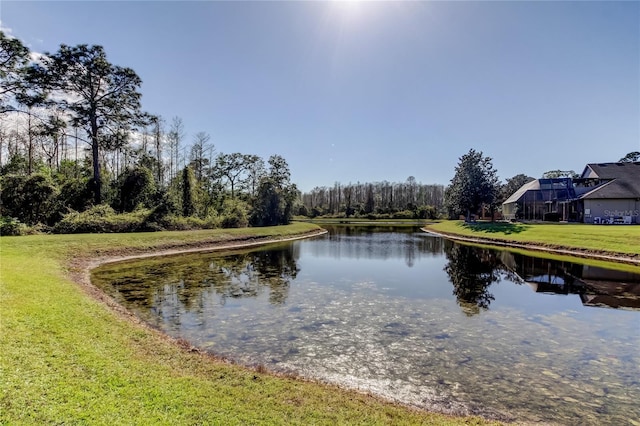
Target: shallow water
x,y
411,317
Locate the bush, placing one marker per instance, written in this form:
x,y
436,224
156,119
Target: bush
x,y
179,223
427,212
234,214
102,219
405,214
136,187
30,198
76,194
11,226
315,212
165,207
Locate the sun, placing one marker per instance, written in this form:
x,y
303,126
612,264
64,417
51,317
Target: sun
x,y
348,7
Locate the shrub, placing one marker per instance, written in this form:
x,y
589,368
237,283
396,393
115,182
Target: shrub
x,y
427,212
165,207
179,223
136,188
30,198
102,219
76,194
405,214
11,226
234,214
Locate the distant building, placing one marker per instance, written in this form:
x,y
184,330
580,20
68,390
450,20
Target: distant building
x,y
604,193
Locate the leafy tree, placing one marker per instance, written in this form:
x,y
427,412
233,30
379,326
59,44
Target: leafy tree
x,y
14,57
16,165
72,169
100,97
231,167
513,184
554,174
234,214
276,195
29,198
255,172
188,192
12,195
630,157
279,171
151,162
268,206
370,202
475,183
137,188
75,194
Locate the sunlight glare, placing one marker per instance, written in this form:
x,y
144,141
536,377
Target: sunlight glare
x,y
348,9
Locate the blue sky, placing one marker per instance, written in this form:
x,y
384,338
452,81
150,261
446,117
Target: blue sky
x,y
371,91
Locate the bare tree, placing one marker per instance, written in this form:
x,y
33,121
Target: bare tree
x,y
175,136
199,150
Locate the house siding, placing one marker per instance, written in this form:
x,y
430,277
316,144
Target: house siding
x,y
606,209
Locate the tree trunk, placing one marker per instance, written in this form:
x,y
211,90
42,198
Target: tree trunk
x,y
97,193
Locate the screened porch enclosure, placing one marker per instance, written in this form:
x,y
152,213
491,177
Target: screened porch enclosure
x,y
543,199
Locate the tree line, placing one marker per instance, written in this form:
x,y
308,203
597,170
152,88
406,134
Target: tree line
x,y
405,200
74,139
76,150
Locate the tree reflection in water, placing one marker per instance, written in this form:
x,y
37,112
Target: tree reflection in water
x,y
245,275
165,287
472,270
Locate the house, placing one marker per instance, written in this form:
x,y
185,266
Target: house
x,y
614,195
604,193
542,199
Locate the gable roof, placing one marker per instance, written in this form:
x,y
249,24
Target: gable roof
x,y
544,190
625,180
533,185
616,188
629,170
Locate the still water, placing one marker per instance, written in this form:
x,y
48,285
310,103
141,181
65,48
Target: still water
x,y
411,317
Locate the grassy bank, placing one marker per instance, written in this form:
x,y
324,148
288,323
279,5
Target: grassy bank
x,y
613,239
67,358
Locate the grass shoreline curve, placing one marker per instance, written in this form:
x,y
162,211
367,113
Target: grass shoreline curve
x,y
66,357
612,243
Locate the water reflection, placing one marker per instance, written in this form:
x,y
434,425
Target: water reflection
x,y
411,317
245,275
390,242
172,287
594,285
472,271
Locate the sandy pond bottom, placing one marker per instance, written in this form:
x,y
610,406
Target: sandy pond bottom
x,y
382,314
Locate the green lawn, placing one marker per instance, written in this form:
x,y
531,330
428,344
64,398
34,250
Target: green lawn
x,y
66,358
598,238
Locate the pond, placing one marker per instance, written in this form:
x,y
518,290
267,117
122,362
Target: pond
x,y
411,317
